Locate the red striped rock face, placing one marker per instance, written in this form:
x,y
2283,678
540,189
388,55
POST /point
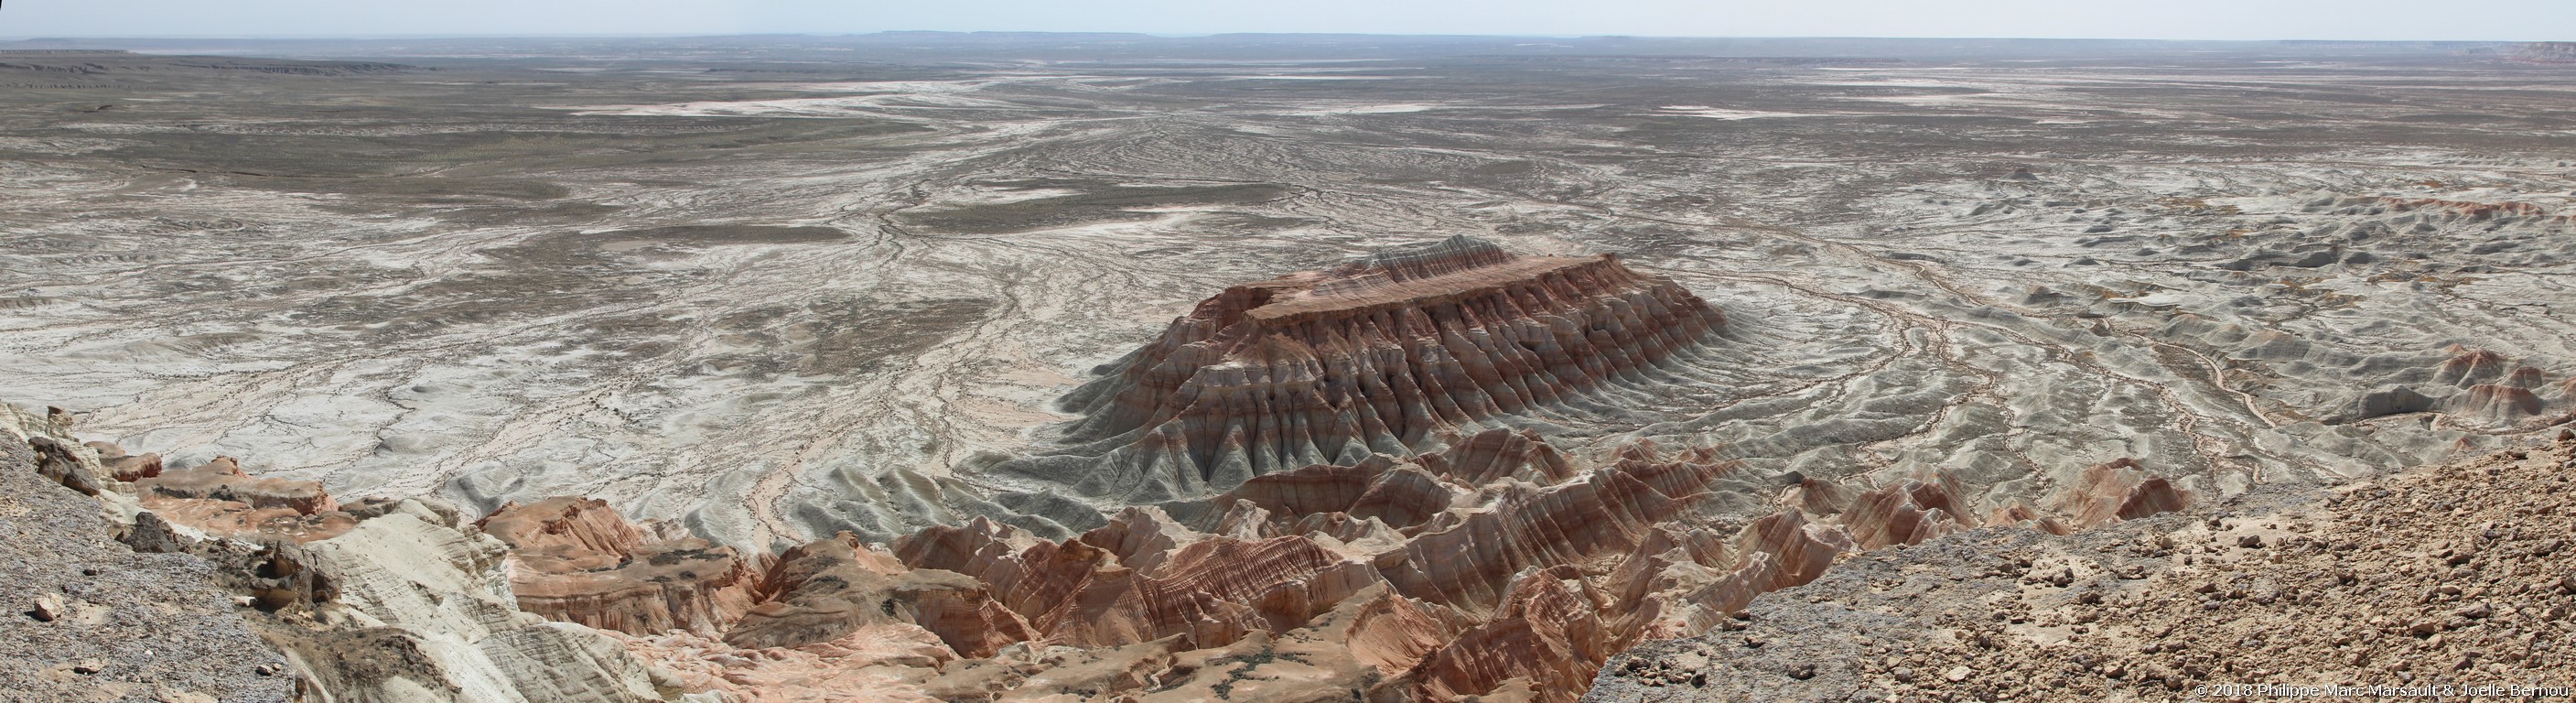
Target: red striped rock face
x,y
576,560
1906,513
1392,355
833,589
2115,491
1397,575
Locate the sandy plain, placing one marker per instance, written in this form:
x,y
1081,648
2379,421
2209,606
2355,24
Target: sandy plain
x,y
780,290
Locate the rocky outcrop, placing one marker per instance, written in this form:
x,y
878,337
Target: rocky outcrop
x,y
2120,489
1468,565
222,479
1495,454
123,467
1686,581
1393,354
869,664
402,608
1210,591
1480,587
2471,366
391,600
2495,402
218,499
575,560
1549,633
1681,582
75,467
1906,513
831,589
1396,496
1494,566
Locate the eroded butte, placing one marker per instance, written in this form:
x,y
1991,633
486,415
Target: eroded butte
x,y
1399,352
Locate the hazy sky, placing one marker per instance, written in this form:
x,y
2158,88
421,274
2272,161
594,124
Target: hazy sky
x,y
2514,20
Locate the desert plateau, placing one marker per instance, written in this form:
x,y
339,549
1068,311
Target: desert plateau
x,y
924,366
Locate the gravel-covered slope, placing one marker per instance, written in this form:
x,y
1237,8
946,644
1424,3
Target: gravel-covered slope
x,y
2457,574
89,619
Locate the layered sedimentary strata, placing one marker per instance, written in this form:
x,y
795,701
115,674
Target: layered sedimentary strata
x,y
124,467
1393,354
2120,489
1209,591
1906,513
1497,566
833,589
1684,581
223,479
576,560
1470,563
1502,587
448,622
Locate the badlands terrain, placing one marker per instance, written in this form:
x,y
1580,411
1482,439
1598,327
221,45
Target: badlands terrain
x,y
1271,368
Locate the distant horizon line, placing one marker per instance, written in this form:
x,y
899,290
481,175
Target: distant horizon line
x,y
1199,35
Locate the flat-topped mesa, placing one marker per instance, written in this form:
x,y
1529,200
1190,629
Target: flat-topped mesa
x,y
1391,354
